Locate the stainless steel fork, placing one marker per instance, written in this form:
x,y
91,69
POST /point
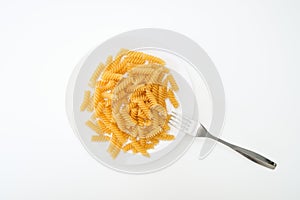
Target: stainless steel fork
x,y
196,129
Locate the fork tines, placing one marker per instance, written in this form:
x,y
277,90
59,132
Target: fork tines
x,y
178,121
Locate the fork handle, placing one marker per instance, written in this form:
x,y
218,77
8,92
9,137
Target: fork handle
x,y
255,157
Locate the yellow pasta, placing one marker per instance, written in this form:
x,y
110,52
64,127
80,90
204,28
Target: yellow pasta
x,y
96,75
165,136
173,82
140,148
165,82
122,51
100,138
135,54
162,95
127,147
103,128
122,85
134,60
93,117
126,117
104,86
153,59
144,70
94,127
107,95
90,106
173,99
143,142
86,99
111,76
144,109
113,149
151,98
109,60
129,102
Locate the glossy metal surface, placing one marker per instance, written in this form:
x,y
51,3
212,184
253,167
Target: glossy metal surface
x,y
196,129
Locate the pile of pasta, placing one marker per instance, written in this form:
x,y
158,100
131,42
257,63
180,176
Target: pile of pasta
x,y
128,102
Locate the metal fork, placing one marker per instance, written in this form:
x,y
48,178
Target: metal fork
x,y
196,129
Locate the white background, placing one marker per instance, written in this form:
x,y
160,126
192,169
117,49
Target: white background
x,y
255,46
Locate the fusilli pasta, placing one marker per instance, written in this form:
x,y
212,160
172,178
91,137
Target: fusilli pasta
x,y
129,102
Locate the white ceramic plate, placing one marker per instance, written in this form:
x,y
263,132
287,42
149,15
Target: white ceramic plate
x,y
196,75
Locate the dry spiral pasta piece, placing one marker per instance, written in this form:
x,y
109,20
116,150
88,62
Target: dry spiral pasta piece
x,y
165,136
136,54
137,79
142,88
151,98
106,86
143,142
160,109
151,143
101,83
134,113
122,85
111,76
122,52
154,141
137,94
133,149
121,122
114,140
104,119
100,106
96,75
122,66
117,133
165,82
153,59
142,70
162,95
94,127
90,106
97,97
141,98
140,121
132,138
100,138
144,109
85,102
113,66
132,105
172,82
154,76
130,88
107,95
93,116
154,132
154,90
172,98
108,102
125,115
109,60
140,148
134,60
103,127
155,118
127,147
113,150
160,77
149,146
108,113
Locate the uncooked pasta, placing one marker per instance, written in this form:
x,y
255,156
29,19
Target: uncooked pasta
x,y
128,102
